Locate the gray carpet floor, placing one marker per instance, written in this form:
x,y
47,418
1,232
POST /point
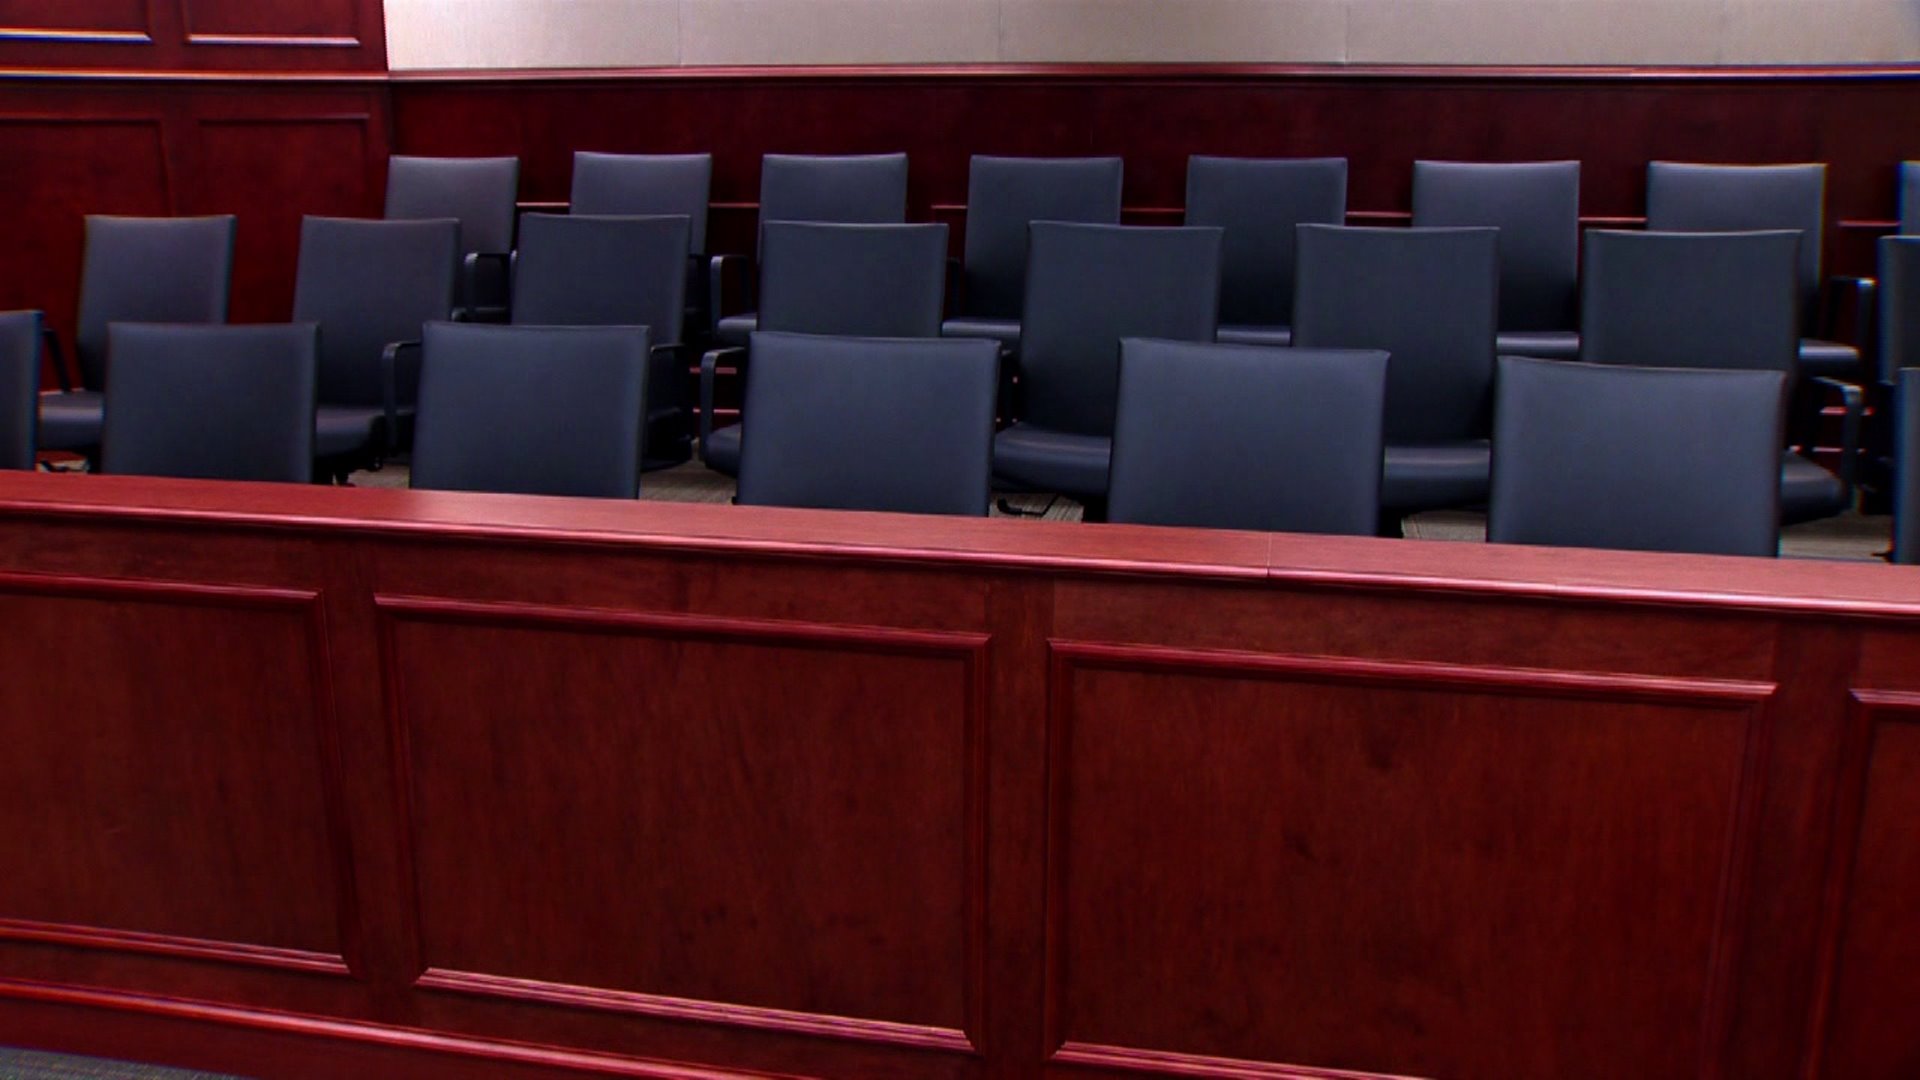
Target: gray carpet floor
x,y
1850,537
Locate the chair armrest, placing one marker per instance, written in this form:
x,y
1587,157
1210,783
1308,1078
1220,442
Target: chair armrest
x,y
717,306
470,283
1009,400
709,367
393,381
956,282
60,372
1853,400
1858,298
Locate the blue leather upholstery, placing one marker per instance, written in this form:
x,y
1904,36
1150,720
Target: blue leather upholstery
x,y
19,387
645,185
1740,198
1700,300
1004,196
582,270
853,280
1089,286
847,189
1429,298
869,424
369,284
1227,436
172,270
1906,486
1258,202
211,402
481,193
1899,305
1536,207
534,410
847,281
842,189
1661,459
1910,198
1704,300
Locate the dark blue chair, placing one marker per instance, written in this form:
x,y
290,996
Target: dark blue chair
x,y
579,270
1744,198
1004,196
1258,203
1643,458
211,402
646,185
1713,300
481,193
1247,437
168,270
532,410
1906,487
371,286
1536,207
1088,287
1429,298
836,189
901,425
20,337
837,280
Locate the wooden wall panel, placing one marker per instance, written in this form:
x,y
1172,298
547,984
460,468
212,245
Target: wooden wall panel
x,y
577,787
312,23
54,20
1873,996
1432,840
274,165
100,156
797,851
193,35
166,737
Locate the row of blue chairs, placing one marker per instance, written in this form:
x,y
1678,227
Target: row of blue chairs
x,y
1590,455
1428,297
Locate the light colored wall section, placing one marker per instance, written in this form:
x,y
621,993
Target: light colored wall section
x,y
428,34
721,32
532,33
1159,31
1534,31
1822,32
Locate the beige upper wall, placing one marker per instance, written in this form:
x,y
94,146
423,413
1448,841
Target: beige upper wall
x,y
429,34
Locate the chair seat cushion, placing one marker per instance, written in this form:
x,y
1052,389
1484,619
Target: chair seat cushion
x,y
342,430
736,329
71,420
1829,358
1434,475
721,450
1281,336
1004,331
1539,344
1054,461
1808,492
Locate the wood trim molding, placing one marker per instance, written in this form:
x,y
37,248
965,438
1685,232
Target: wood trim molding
x,y
1176,72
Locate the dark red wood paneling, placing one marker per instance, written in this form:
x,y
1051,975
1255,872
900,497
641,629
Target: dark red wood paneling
x,y
461,785
731,851
273,162
56,20
193,35
1872,984
1381,120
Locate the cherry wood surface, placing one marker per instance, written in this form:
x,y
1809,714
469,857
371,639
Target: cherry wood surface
x,y
193,35
305,780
